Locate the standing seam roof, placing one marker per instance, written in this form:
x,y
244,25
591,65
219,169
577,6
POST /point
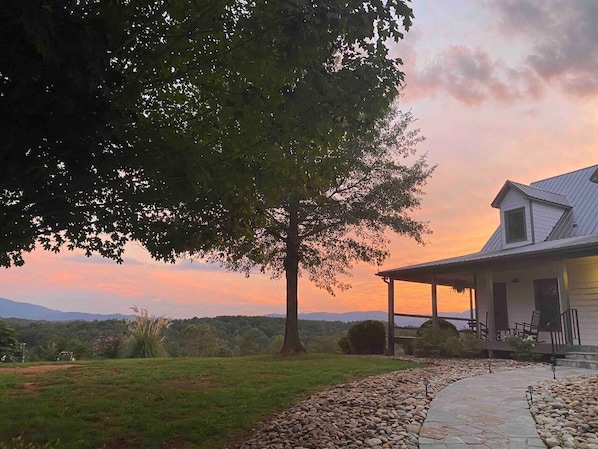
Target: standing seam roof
x,y
577,189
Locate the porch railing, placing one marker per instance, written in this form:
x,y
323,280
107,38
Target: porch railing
x,y
568,333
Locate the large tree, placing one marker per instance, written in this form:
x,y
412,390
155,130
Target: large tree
x,y
332,212
166,121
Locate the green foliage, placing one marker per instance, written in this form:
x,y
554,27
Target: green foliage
x,y
203,403
334,210
444,342
9,345
108,346
114,129
523,348
472,346
201,340
433,342
45,339
276,344
367,337
343,345
441,323
145,335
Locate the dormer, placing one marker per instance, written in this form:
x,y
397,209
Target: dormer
x,y
527,214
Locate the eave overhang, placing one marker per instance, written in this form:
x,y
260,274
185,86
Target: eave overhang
x,y
464,268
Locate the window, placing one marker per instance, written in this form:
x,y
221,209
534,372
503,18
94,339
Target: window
x,y
515,225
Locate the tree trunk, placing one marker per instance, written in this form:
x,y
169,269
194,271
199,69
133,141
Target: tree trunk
x,y
292,344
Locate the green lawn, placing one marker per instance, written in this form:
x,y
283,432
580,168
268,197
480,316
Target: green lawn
x,y
164,403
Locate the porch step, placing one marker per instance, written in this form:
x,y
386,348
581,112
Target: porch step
x,y
579,355
579,359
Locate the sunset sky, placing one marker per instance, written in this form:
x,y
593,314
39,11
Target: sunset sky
x,y
501,89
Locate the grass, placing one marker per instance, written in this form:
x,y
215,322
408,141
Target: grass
x,y
165,403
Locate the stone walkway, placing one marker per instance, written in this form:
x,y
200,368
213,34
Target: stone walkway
x,y
488,411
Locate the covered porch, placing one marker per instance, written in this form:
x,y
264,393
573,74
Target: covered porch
x,y
506,289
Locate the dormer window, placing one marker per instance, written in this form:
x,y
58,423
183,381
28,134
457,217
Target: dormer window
x,y
515,225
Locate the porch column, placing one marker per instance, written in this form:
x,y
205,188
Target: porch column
x,y
489,294
563,281
470,304
477,306
434,304
391,315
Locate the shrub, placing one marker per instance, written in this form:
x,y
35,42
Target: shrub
x,y
522,348
432,342
108,346
343,345
441,324
445,343
472,346
367,337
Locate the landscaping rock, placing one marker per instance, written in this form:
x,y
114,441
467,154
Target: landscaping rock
x,y
384,411
565,411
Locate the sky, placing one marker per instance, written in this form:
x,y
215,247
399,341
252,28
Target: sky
x,y
500,89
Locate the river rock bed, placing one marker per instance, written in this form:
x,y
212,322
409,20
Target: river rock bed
x,y
566,412
384,411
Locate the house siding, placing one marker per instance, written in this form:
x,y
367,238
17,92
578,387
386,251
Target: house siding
x,y
515,200
545,219
583,296
520,294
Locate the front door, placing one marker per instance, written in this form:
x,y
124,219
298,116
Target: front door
x,y
501,317
546,292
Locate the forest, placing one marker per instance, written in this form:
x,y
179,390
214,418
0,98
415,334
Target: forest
x,y
223,336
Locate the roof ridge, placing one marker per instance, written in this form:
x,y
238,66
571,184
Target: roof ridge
x,y
595,166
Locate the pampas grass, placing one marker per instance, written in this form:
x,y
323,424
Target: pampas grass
x,y
146,340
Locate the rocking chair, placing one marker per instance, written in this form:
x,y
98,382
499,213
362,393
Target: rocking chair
x,y
531,329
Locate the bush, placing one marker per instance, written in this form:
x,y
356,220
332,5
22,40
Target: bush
x,y
343,345
444,343
441,324
434,342
522,348
367,337
472,346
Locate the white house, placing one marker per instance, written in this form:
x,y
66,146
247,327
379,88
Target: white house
x,y
542,257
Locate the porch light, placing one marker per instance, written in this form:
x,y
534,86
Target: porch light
x,y
426,382
530,391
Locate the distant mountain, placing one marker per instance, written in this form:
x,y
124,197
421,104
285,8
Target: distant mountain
x,y
23,310
348,317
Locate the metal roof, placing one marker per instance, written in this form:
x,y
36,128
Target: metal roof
x,y
581,192
581,246
575,235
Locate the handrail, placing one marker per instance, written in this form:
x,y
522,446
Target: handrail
x,y
410,315
568,334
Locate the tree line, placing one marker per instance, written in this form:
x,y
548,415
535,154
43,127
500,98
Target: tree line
x,y
223,336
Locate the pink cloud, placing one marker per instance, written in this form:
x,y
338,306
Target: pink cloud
x,y
563,40
471,77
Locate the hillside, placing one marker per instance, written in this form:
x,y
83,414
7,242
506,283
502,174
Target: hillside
x,y
26,311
